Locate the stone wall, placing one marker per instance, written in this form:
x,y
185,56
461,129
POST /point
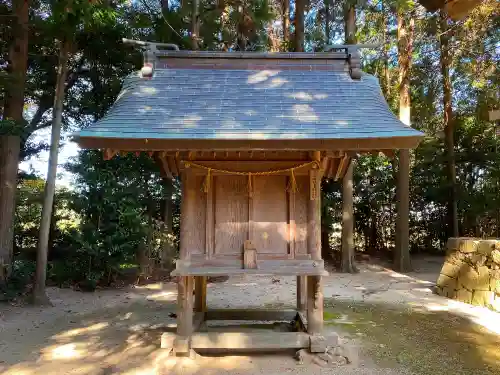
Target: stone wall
x,y
471,272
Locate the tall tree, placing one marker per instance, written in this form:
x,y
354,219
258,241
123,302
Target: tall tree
x,y
11,125
445,61
195,24
66,19
39,296
347,255
300,6
328,15
286,23
405,49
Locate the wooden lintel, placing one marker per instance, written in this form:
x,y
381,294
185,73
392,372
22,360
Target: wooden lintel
x,y
340,167
250,314
260,341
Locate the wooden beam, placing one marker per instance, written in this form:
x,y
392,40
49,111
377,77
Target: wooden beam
x,y
292,227
388,153
188,212
255,341
314,305
210,221
184,315
162,159
109,153
338,172
200,294
250,314
314,213
301,293
172,165
402,251
261,270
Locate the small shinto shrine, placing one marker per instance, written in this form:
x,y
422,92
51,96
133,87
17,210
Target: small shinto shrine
x,y
251,135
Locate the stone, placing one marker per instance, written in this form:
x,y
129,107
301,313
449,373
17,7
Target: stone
x,y
455,257
321,343
347,351
450,270
478,259
483,281
446,281
463,295
495,256
467,245
485,247
482,298
495,285
449,292
495,305
468,277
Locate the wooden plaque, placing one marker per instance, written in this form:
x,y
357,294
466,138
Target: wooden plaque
x,y
249,255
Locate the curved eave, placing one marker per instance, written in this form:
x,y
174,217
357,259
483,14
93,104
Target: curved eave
x,y
154,144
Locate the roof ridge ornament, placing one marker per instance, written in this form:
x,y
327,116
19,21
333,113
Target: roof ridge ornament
x,y
150,50
353,56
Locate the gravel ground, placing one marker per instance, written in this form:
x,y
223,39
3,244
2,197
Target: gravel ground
x,y
117,331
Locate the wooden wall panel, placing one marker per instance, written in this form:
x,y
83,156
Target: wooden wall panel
x,y
192,216
231,214
301,198
270,214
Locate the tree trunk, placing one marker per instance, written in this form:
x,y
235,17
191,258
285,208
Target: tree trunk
x,y
405,49
9,159
386,42
13,108
286,24
347,255
195,25
327,21
299,26
445,61
350,25
39,295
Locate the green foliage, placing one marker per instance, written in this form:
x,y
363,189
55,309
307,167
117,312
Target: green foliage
x,y
115,211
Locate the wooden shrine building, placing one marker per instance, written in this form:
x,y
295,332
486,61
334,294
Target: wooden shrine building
x,y
251,135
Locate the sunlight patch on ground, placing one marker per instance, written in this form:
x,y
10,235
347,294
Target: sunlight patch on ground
x,y
162,296
78,331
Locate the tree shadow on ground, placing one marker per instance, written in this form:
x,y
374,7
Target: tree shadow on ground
x,y
416,338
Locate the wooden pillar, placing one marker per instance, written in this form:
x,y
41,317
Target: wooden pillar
x,y
184,315
314,211
188,212
313,283
314,305
347,254
402,251
200,293
301,293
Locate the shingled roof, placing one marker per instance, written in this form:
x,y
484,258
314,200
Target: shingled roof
x,y
250,100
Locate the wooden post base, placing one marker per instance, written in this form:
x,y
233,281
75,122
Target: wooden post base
x,y
223,342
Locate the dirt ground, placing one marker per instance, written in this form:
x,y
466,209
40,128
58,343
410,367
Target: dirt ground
x,y
117,331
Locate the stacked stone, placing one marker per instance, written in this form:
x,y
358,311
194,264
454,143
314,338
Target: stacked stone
x,y
471,272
